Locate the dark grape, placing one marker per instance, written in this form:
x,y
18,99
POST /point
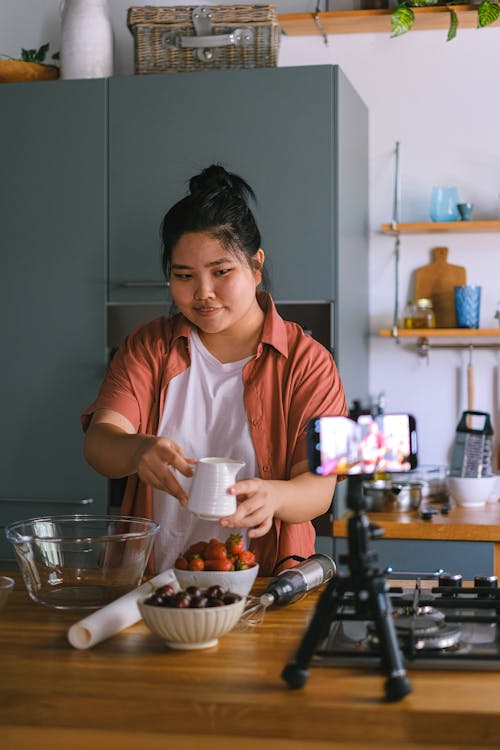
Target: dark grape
x,y
215,592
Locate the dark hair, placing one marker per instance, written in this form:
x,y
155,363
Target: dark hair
x,y
217,203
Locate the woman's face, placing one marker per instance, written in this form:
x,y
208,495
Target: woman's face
x,y
211,286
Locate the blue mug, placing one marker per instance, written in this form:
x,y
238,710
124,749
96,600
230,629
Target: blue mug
x,y
444,202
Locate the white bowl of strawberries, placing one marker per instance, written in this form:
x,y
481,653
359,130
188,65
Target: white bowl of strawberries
x,y
227,564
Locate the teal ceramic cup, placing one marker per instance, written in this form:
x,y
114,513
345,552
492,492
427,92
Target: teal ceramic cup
x,y
465,211
467,306
444,202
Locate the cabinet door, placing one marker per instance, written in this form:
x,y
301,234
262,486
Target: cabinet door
x,y
52,285
274,127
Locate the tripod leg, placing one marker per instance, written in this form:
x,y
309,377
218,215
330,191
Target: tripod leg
x,y
397,684
295,672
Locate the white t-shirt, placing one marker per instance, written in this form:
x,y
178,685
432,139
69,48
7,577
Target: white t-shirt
x,y
204,413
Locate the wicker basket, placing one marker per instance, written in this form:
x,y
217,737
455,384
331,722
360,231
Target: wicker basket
x,y
190,38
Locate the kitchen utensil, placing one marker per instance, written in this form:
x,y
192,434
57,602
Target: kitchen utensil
x,y
388,496
467,306
208,496
237,581
432,478
437,281
6,586
191,628
471,454
81,562
444,202
288,586
470,383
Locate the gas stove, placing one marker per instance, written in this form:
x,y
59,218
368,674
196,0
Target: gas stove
x,y
448,626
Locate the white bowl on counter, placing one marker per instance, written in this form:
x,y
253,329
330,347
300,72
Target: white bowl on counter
x,y
187,629
472,492
237,581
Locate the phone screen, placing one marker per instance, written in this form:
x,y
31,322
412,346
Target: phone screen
x,y
339,445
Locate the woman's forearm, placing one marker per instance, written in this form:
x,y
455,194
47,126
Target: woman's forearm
x,y
303,497
112,451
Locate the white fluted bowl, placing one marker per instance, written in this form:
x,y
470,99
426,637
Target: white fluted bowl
x,y
191,628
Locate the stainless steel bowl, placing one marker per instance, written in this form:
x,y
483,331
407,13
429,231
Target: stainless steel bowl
x,y
389,497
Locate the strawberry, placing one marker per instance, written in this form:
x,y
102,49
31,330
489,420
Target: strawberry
x,y
223,565
181,563
234,544
215,550
198,548
196,563
246,557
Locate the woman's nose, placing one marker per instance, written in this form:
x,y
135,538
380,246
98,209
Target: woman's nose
x,y
204,289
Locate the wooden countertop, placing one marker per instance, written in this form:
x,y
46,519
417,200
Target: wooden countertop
x,y
465,524
132,692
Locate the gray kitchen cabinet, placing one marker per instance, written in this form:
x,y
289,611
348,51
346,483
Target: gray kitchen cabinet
x,y
299,136
53,291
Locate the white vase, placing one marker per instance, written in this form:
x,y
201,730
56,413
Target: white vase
x,y
86,39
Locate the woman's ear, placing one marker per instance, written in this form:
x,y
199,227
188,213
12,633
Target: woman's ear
x,y
258,263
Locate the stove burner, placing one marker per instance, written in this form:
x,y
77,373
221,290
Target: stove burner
x,y
423,629
421,637
420,618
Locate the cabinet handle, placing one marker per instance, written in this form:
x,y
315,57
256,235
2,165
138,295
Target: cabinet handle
x,y
144,284
46,500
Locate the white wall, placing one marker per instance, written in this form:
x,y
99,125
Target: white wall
x,y
440,100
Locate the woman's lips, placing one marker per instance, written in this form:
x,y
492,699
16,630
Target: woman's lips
x,y
207,311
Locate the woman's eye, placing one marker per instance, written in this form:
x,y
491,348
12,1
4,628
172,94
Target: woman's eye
x,y
182,276
222,271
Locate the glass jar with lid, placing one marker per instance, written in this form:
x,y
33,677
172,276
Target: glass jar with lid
x,y
419,313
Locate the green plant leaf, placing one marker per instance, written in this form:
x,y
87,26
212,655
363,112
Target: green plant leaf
x,y
402,19
452,30
487,12
28,55
40,55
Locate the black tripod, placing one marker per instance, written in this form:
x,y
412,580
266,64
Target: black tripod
x,y
366,588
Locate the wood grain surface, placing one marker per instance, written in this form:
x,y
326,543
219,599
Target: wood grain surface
x,y
461,524
437,281
131,691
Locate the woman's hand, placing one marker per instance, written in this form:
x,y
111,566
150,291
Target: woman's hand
x,y
154,459
115,449
301,498
257,505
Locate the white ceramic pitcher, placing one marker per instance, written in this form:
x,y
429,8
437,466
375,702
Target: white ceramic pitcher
x,y
86,39
208,497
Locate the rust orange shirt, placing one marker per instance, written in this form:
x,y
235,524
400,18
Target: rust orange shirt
x,y
292,379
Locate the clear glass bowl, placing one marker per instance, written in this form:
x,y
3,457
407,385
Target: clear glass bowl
x,y
81,561
6,586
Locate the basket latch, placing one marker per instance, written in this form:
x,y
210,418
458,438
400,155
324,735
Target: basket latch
x,y
204,42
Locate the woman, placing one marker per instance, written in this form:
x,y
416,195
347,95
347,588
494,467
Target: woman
x,y
225,376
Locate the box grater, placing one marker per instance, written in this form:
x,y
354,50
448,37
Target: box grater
x,y
471,455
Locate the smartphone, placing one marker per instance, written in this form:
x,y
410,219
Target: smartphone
x,y
339,445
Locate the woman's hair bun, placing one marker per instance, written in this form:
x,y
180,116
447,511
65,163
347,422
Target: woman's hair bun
x,y
215,180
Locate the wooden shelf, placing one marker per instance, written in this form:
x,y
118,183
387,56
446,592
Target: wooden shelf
x,y
429,333
440,227
375,21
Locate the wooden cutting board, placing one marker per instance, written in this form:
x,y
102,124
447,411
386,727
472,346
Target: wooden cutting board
x,y
436,281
